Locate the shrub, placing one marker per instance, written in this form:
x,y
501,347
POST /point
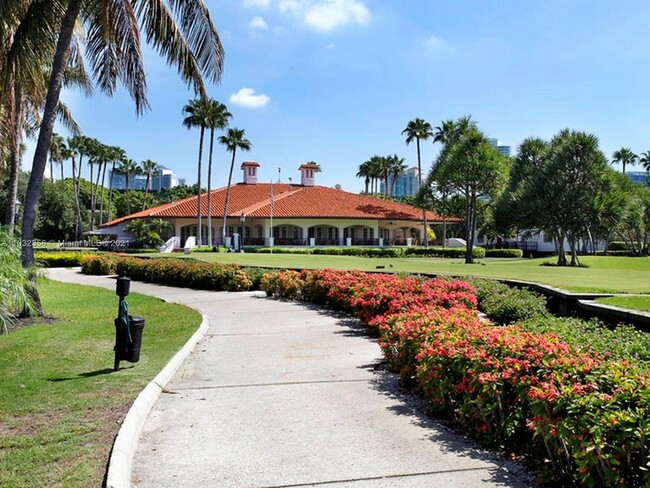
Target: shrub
x,y
617,246
60,259
507,305
99,264
444,252
504,253
508,386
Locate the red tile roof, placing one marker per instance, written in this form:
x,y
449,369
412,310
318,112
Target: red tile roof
x,y
290,201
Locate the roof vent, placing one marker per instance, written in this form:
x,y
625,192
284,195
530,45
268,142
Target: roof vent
x,y
307,172
250,172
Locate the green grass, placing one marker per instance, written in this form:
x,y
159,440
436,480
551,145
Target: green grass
x,y
633,302
605,274
61,402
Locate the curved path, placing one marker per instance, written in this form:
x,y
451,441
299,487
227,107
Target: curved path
x,y
281,394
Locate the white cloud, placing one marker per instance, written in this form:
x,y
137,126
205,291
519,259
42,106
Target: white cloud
x,y
291,5
329,14
246,97
433,41
258,23
257,3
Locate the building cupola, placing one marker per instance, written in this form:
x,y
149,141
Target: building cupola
x,y
250,172
307,172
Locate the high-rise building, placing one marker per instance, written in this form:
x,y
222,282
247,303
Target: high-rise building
x,y
502,148
166,179
406,184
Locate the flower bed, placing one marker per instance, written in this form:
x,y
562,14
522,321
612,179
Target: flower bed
x,y
587,417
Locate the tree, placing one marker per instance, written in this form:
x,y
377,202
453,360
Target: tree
x,y
218,119
396,168
474,169
197,114
128,167
115,155
233,140
645,160
149,168
191,44
625,156
58,152
364,172
416,130
148,232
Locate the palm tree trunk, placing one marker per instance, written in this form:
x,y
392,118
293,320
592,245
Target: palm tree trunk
x,y
210,187
110,192
128,197
61,170
44,139
225,206
77,203
146,191
424,211
101,205
14,162
51,170
198,199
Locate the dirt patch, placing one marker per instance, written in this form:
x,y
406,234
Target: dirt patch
x,y
21,322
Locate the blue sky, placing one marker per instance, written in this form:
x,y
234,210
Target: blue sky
x,y
336,81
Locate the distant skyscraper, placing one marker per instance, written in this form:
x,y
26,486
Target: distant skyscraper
x,y
405,185
502,148
166,179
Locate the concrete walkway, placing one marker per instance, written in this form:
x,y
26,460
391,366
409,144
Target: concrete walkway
x,y
282,394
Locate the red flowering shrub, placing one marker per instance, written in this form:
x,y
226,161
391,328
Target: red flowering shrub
x,y
586,416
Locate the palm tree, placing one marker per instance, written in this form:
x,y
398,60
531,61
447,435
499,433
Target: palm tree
x,y
396,168
149,168
233,140
115,154
645,160
624,156
218,119
364,172
418,129
191,44
197,113
57,152
128,167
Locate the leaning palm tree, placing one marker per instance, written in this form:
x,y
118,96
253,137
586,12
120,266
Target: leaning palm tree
x,y
181,31
197,113
218,119
233,140
625,156
418,129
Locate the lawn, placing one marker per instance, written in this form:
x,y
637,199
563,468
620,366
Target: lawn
x,y
61,402
633,302
604,274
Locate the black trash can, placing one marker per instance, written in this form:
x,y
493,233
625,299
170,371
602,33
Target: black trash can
x,y
132,353
129,351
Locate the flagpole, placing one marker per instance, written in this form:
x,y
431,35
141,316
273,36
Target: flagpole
x,y
271,230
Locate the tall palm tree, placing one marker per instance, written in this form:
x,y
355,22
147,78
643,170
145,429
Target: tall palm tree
x,y
364,172
128,167
115,155
197,114
645,160
625,156
218,119
396,168
191,44
416,130
149,168
233,140
57,152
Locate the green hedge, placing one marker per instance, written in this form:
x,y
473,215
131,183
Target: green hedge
x,y
504,253
367,252
177,272
60,259
617,246
444,252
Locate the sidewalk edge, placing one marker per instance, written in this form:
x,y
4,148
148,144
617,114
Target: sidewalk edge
x,y
121,460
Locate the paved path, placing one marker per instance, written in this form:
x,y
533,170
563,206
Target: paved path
x,y
282,394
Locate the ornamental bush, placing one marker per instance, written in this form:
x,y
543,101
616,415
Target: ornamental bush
x,y
504,253
61,259
444,252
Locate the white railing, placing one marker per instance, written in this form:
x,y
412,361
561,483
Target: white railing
x,y
171,244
